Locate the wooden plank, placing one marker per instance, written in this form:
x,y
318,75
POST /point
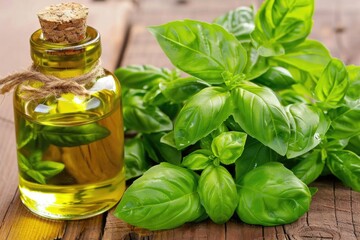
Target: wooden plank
x,y
16,221
8,169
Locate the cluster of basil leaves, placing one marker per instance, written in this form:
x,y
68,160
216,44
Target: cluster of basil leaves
x,y
34,139
263,112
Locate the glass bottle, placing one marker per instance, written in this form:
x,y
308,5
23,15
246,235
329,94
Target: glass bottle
x,y
70,147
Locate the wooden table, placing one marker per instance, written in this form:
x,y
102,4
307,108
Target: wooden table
x,y
335,210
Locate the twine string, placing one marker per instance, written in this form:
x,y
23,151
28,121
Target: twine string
x,y
51,85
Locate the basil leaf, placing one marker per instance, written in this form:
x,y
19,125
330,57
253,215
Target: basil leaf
x,y
73,136
353,92
48,168
272,195
25,132
305,62
168,139
201,114
239,22
181,89
164,197
345,165
260,114
197,160
310,167
354,144
256,64
38,177
160,152
135,161
229,146
141,118
203,50
36,169
217,191
305,132
142,76
332,85
276,78
345,120
281,24
205,142
154,97
255,154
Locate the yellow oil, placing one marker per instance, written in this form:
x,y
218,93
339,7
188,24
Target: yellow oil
x,y
88,177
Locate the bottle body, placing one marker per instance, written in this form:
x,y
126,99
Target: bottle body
x,y
70,147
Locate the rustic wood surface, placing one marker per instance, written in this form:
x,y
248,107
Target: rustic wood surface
x,y
335,210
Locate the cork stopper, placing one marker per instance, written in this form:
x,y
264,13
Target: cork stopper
x,y
64,22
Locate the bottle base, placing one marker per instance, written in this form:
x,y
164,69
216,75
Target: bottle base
x,y
71,202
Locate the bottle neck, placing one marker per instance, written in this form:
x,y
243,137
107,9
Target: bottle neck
x,y
65,60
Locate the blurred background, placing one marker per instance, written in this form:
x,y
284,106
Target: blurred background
x,y
125,39
336,24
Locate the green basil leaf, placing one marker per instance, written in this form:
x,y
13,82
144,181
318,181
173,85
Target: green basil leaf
x,y
218,195
201,49
239,22
354,144
23,163
334,144
36,169
305,62
201,114
37,176
181,89
313,190
198,159
229,146
353,92
48,168
272,195
305,131
332,85
232,125
74,136
345,165
168,139
310,167
159,151
345,120
142,76
205,142
256,64
25,133
260,114
296,93
164,197
135,161
276,78
281,24
141,118
171,109
154,97
354,73
255,154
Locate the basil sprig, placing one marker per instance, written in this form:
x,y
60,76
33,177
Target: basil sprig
x,y
259,112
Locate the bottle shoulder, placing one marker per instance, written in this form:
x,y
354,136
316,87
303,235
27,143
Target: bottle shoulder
x,y
104,96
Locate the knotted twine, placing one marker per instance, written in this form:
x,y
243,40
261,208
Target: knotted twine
x,y
52,86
